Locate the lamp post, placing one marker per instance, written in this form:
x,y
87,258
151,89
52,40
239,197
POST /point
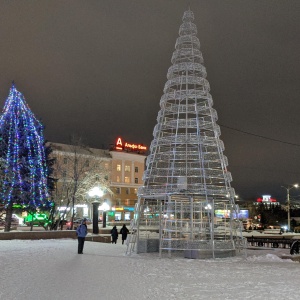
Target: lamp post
x,y
288,188
97,193
104,207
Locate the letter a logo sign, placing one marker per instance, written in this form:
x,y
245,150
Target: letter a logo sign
x,y
119,142
119,145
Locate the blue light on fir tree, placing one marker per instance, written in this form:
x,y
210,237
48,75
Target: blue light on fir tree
x,y
22,155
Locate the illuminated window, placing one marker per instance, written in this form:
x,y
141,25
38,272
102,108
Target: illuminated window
x,y
127,168
136,180
135,191
106,166
118,167
127,180
136,169
118,178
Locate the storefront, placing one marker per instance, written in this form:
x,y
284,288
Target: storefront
x,y
121,213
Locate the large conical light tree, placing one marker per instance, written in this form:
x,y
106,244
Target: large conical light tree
x,y
186,183
22,153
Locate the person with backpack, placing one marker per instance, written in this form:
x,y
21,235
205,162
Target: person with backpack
x,y
81,232
124,231
114,235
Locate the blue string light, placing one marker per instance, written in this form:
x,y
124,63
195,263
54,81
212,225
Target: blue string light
x,y
23,154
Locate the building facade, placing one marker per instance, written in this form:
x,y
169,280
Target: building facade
x,y
117,172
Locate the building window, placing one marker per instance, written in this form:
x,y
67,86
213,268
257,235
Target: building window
x,y
127,180
87,163
64,174
97,178
136,169
106,166
118,178
135,191
118,167
136,180
65,160
118,190
127,191
127,168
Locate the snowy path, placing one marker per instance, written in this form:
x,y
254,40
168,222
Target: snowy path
x,y
51,269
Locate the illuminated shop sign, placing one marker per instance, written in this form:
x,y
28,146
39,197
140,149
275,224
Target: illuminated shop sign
x,y
121,145
221,213
119,209
266,198
128,208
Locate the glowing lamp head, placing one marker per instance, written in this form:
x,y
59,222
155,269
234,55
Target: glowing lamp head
x,y
208,206
95,192
105,206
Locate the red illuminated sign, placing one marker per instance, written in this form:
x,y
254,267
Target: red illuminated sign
x,y
266,198
120,145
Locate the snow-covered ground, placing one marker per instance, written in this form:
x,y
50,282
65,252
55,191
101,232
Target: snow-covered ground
x,y
52,269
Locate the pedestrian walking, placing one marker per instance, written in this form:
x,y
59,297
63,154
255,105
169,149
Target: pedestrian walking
x,y
114,235
124,231
81,232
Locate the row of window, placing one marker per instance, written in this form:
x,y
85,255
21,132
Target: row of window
x,y
127,202
127,168
119,167
127,190
127,179
86,164
97,177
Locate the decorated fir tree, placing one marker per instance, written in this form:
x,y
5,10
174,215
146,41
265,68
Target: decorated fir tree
x,y
22,152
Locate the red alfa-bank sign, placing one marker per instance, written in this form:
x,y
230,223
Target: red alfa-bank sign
x,y
121,145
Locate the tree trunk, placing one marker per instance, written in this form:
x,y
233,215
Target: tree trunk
x,y
73,211
8,217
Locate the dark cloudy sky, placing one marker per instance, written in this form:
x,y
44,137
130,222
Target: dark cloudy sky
x,y
98,67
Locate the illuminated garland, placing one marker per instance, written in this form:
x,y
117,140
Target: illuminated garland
x,y
23,154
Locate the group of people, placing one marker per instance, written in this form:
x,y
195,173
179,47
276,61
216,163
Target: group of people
x,y
82,231
114,234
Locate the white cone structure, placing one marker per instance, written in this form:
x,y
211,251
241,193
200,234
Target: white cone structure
x,y
186,179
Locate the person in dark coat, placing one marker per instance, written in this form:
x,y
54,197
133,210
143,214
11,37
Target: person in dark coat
x,y
81,232
124,231
114,235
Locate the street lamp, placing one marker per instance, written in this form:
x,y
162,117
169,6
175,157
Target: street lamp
x,y
97,193
289,203
104,207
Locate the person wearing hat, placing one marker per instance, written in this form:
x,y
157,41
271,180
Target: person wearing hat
x,y
81,232
114,235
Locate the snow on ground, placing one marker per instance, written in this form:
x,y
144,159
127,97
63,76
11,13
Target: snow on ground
x,y
52,269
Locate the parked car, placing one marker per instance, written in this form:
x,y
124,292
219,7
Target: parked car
x,y
88,221
77,222
59,223
14,222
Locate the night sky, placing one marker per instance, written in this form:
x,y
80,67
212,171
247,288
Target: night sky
x,y
98,68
